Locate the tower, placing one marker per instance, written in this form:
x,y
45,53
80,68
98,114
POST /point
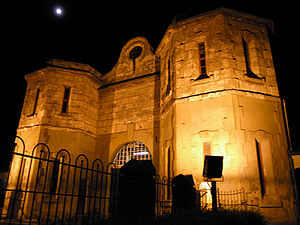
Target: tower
x,y
219,96
59,112
60,108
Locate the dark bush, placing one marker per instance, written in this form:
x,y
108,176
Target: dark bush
x,y
222,217
195,217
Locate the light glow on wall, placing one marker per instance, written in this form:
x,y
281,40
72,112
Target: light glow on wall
x,y
205,188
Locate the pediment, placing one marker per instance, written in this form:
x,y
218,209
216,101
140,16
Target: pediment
x,y
136,59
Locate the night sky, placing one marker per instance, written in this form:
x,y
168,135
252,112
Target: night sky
x,y
94,32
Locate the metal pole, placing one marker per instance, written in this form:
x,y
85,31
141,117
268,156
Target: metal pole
x,y
291,163
213,191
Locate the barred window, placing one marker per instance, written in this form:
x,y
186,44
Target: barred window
x,y
133,150
202,62
202,59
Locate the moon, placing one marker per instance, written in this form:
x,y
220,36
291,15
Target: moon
x,y
58,11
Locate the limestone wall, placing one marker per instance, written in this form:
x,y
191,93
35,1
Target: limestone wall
x,y
129,103
75,129
234,110
181,113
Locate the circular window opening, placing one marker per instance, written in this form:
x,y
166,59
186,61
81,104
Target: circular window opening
x,y
135,52
133,150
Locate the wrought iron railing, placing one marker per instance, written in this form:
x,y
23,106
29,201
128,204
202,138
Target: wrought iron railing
x,y
52,188
47,188
232,199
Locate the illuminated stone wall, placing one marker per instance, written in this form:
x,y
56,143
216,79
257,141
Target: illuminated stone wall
x,y
232,110
129,102
209,89
74,130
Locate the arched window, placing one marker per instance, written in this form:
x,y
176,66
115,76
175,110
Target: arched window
x,y
133,150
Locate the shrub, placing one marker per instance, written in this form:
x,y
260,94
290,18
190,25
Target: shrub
x,y
221,217
194,217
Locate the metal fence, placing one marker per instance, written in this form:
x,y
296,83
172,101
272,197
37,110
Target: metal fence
x,y
52,188
47,188
205,199
232,199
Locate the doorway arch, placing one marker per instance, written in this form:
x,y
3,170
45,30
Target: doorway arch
x,y
132,150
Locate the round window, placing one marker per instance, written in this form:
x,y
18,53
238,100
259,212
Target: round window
x,y
135,52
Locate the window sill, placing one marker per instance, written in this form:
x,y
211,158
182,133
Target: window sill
x,y
202,76
202,79
63,114
258,80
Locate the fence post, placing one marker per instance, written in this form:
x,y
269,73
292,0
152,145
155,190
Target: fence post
x,y
137,189
184,194
214,195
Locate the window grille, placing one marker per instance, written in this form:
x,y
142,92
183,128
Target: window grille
x,y
202,61
133,150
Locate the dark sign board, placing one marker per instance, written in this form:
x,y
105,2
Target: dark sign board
x,y
213,167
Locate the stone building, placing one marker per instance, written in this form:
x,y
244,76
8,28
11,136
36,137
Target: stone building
x,y
208,89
